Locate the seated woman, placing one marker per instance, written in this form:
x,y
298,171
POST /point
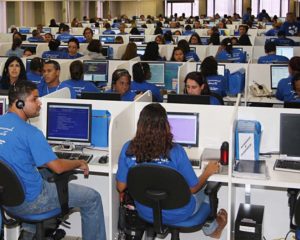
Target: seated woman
x,y
228,54
296,87
153,144
16,49
195,39
130,51
76,82
284,90
189,55
178,55
151,52
216,82
13,72
54,50
195,84
94,50
141,73
120,83
73,47
159,39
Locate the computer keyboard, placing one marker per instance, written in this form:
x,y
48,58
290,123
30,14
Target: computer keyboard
x,y
287,165
74,156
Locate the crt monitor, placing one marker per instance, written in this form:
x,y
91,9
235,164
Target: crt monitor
x,y
171,75
80,38
285,51
107,39
101,96
95,71
32,47
157,70
137,39
140,50
278,72
188,99
2,106
24,30
289,137
69,122
187,135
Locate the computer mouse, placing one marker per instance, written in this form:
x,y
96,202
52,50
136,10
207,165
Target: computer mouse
x,y
103,159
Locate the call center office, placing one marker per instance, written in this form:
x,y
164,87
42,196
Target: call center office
x,y
211,134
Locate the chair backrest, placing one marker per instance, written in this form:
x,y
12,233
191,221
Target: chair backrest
x,y
11,189
149,177
297,212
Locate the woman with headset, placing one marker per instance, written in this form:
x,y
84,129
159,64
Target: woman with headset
x,y
13,72
121,81
153,144
73,47
226,53
196,84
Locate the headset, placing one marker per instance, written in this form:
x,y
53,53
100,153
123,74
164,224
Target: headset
x,y
20,104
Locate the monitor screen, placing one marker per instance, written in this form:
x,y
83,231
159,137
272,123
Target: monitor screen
x,y
142,31
188,99
80,38
68,122
140,50
187,135
107,39
46,30
171,75
137,39
221,68
95,30
204,40
32,47
24,30
285,51
278,72
95,71
157,70
193,49
289,137
2,106
101,96
105,51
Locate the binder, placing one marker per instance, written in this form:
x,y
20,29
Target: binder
x,y
100,128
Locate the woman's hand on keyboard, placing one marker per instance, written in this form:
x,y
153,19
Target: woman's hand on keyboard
x,y
84,166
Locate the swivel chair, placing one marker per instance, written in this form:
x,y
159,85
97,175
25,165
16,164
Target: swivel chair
x,y
163,188
12,194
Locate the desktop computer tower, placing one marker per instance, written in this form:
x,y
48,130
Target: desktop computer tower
x,y
249,222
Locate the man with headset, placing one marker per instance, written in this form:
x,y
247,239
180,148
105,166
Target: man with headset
x,y
25,148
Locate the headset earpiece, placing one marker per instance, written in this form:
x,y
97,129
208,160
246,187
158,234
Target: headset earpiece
x,y
20,104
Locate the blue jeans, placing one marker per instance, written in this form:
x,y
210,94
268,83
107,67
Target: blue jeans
x,y
86,199
200,197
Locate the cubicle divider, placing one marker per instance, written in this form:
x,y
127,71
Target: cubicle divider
x,y
145,97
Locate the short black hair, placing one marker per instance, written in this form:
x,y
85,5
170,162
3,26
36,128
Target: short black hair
x,y
20,91
54,44
76,70
74,40
37,64
270,47
55,64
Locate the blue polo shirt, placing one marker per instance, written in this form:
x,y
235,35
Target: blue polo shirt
x,y
145,86
80,86
273,58
52,54
33,77
217,84
24,148
285,91
45,90
237,56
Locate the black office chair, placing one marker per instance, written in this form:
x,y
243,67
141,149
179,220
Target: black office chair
x,y
162,188
12,194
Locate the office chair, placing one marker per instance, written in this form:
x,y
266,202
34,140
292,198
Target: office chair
x,y
294,204
163,188
12,194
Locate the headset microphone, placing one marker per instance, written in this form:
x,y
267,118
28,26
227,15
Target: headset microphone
x,y
20,104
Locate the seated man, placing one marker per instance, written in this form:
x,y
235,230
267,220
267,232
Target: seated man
x,y
271,57
51,82
25,149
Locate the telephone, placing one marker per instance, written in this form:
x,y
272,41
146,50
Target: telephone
x,y
260,90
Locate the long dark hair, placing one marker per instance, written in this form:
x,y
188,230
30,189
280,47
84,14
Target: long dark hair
x,y
153,137
151,52
198,78
130,52
226,43
176,49
5,80
209,66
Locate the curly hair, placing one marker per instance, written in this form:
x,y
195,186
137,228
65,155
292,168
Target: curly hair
x,y
153,137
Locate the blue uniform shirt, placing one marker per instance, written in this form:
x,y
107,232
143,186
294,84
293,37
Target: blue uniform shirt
x,y
284,42
44,89
52,54
290,29
285,91
272,58
217,84
272,32
128,96
64,37
24,148
145,86
192,55
108,32
66,55
80,86
236,56
33,77
177,160
188,32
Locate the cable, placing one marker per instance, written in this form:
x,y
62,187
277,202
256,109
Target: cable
x,y
288,233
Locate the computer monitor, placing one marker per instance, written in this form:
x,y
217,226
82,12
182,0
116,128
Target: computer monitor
x,y
2,106
171,75
157,70
80,38
187,135
221,68
278,72
193,49
69,122
101,96
188,99
24,30
140,50
46,30
105,50
204,40
107,39
32,47
289,138
95,71
137,39
142,31
285,51
95,30
291,105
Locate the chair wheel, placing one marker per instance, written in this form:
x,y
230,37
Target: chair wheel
x,y
59,234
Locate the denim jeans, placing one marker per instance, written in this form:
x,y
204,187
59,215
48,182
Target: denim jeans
x,y
86,199
200,197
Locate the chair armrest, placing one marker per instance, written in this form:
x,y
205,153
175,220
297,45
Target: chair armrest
x,y
211,190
